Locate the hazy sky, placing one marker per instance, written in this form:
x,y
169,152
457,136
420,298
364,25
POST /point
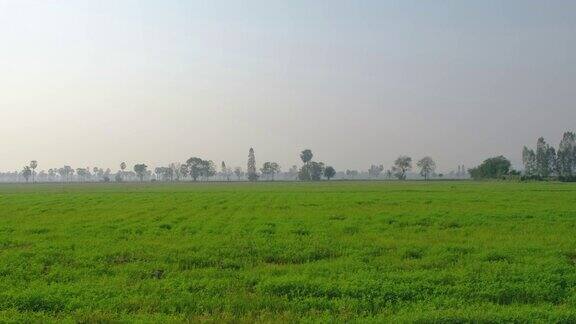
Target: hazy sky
x,y
93,83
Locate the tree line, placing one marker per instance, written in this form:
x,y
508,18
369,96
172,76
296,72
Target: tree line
x,y
542,163
199,169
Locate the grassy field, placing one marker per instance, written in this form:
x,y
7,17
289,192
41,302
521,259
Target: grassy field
x,y
339,251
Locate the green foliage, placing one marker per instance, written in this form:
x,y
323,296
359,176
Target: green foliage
x,y
329,172
402,165
288,252
140,170
492,168
311,171
251,167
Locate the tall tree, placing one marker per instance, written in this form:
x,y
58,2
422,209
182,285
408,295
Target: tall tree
x,y
529,161
545,157
566,157
306,156
375,170
140,170
329,172
238,172
27,172
427,167
122,167
251,167
226,172
402,165
33,166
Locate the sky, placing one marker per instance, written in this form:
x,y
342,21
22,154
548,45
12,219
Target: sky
x,y
95,83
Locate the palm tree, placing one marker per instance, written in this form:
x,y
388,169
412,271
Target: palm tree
x,y
123,167
33,166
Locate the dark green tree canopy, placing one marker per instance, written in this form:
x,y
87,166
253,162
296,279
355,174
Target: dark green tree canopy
x,y
492,168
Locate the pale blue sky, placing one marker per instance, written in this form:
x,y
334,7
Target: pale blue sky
x,y
93,83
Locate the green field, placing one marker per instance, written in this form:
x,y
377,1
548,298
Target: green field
x,y
283,252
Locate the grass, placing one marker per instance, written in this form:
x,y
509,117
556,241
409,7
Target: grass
x,y
285,252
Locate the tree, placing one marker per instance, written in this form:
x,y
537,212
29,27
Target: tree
x,y
208,169
238,172
566,157
306,156
389,174
66,172
26,172
83,173
492,168
402,165
293,172
270,169
329,172
427,167
311,171
122,167
33,166
140,170
375,170
529,161
251,167
226,172
545,157
183,171
352,173
195,166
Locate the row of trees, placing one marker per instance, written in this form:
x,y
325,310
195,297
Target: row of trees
x,y
196,168
546,162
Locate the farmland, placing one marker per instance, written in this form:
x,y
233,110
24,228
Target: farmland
x,y
283,252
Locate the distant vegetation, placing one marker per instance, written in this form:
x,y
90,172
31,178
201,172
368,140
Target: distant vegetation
x,y
542,163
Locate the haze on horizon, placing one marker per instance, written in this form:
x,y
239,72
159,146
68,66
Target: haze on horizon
x,y
94,83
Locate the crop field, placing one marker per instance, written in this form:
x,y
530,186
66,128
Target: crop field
x,y
286,252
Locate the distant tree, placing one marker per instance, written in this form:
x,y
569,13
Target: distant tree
x,y
566,157
329,172
195,166
251,167
492,168
140,170
238,172
175,171
122,167
311,171
226,172
52,174
33,166
529,161
389,174
66,172
427,166
183,171
293,172
306,156
375,170
270,169
545,158
83,173
27,172
402,165
352,173
208,169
